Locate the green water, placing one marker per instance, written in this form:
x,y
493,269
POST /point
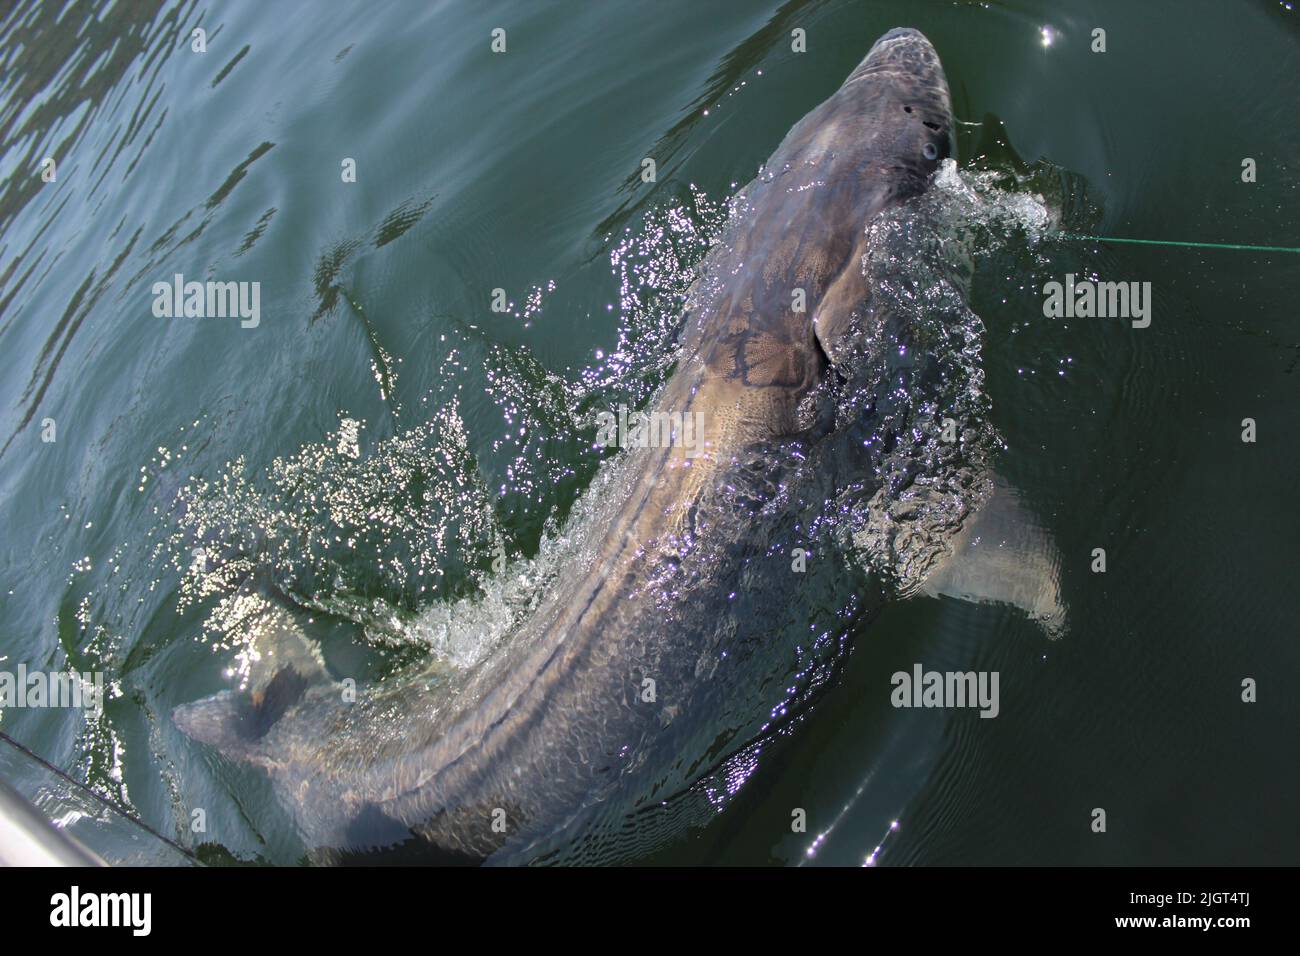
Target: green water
x,y
520,171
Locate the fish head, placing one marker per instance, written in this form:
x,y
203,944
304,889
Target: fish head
x,y
906,109
878,142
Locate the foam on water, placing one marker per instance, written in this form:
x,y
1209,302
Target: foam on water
x,y
402,535
918,385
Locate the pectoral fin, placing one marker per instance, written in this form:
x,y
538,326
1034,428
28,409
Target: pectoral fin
x,y
1003,555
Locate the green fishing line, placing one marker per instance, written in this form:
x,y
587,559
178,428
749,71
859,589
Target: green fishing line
x,y
1165,242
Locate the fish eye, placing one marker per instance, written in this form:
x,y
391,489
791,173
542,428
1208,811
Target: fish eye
x,y
930,151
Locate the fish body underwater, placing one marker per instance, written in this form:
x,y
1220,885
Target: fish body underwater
x,y
609,676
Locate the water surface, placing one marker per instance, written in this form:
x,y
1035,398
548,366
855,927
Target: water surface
x,y
381,437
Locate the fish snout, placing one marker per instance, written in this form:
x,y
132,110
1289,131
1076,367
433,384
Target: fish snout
x,y
903,50
900,33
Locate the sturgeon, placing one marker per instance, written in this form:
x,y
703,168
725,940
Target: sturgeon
x,y
616,659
